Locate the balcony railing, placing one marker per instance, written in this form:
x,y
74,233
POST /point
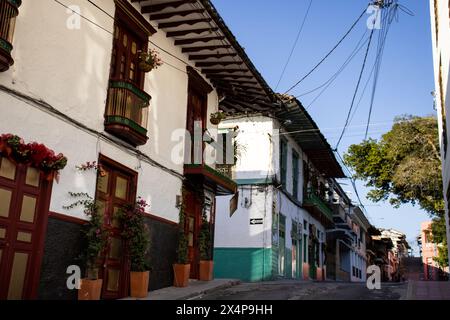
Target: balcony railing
x,y
9,10
313,199
126,114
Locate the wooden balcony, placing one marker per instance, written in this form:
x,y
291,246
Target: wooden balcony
x,y
219,183
318,206
9,10
126,114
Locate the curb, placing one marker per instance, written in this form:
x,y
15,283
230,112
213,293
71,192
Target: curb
x,y
192,296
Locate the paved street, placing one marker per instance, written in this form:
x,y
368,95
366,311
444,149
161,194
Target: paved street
x,y
303,290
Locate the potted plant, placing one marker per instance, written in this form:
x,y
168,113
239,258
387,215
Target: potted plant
x,y
96,239
135,234
181,267
149,60
217,117
205,245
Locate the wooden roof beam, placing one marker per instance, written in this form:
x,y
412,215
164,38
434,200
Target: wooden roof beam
x,y
152,8
212,55
168,15
175,24
223,76
194,40
209,71
211,48
218,63
247,105
189,31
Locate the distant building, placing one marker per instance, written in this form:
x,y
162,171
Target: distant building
x,y
346,241
397,254
429,250
440,30
389,250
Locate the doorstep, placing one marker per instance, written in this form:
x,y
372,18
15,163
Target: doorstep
x,y
195,289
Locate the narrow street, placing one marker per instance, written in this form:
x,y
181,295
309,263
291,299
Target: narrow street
x,y
303,290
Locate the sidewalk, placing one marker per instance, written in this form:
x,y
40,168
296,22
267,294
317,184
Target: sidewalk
x,y
428,290
195,289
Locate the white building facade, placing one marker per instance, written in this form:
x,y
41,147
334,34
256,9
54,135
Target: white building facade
x,y
71,80
440,31
279,227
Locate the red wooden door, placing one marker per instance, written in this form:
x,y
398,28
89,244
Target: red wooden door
x,y
124,62
196,118
24,202
192,228
115,188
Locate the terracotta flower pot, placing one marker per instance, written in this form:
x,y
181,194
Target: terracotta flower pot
x,y
139,284
90,289
206,270
181,275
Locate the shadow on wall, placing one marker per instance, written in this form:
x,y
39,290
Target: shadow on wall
x,y
433,273
162,253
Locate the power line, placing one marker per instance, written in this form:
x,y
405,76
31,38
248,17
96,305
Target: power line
x,y
149,41
329,53
295,45
389,16
111,33
352,180
358,47
377,63
357,87
337,74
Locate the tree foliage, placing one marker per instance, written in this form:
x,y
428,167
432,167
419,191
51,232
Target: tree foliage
x,y
439,236
404,166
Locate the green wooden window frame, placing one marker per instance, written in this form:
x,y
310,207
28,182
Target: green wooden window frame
x,y
295,174
283,162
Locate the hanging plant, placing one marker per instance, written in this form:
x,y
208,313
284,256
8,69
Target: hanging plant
x,y
217,117
34,154
149,60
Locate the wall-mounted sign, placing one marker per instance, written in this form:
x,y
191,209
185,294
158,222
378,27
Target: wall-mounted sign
x,y
256,221
234,203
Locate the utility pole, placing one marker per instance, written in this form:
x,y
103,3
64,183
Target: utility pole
x,y
383,3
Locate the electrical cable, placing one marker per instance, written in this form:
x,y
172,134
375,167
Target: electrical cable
x,y
352,180
357,88
350,57
110,32
295,44
329,53
388,17
333,79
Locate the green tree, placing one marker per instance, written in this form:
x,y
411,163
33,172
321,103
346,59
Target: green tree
x,y
404,166
439,236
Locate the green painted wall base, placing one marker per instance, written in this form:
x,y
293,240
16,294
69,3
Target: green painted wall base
x,y
246,264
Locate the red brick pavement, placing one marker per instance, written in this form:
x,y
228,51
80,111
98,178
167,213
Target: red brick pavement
x,y
428,290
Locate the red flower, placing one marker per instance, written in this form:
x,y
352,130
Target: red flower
x,y
35,154
39,153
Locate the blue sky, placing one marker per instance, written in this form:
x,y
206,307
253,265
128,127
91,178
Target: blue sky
x,y
267,30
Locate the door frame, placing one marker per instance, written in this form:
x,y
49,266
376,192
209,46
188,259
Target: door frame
x,y
34,265
197,215
116,166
